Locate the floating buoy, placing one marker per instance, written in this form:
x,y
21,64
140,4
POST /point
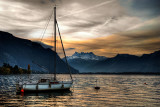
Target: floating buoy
x,y
145,83
97,88
22,90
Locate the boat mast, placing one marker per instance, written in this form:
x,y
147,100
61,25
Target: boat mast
x,y
55,43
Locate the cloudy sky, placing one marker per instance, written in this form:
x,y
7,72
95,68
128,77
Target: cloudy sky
x,y
105,27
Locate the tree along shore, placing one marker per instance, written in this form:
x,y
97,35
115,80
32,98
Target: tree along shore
x,y
8,69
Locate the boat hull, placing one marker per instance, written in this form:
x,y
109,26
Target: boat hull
x,y
46,86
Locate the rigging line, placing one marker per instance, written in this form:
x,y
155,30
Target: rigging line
x,y
64,50
47,24
42,33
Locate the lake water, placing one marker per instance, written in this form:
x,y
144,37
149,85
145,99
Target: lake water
x,y
116,90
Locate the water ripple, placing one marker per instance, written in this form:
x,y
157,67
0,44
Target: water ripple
x,y
116,90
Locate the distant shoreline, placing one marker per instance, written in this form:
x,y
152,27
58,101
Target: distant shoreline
x,y
126,73
150,73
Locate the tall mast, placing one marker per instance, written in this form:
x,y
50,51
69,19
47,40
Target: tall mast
x,y
55,43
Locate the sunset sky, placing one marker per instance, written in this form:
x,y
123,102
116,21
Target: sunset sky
x,y
105,27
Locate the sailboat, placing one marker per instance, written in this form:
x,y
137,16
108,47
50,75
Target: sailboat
x,y
49,84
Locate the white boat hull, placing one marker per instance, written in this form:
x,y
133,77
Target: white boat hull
x,y
46,86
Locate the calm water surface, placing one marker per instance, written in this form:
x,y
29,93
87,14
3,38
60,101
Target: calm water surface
x,y
116,90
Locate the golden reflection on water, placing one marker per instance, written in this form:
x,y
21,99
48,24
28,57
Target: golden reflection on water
x,y
116,90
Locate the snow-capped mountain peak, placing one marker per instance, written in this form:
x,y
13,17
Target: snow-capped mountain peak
x,y
86,56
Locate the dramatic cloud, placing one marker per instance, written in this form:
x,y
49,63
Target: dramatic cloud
x,y
23,17
144,39
106,27
142,8
98,18
78,19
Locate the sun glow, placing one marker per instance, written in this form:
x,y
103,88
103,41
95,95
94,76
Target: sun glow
x,y
36,34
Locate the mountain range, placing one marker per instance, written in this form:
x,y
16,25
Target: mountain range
x,y
86,56
121,63
82,61
21,52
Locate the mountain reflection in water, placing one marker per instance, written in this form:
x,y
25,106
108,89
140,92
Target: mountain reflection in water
x,y
116,90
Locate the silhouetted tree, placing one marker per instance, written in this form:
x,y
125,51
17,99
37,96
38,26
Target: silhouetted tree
x,y
7,69
15,69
